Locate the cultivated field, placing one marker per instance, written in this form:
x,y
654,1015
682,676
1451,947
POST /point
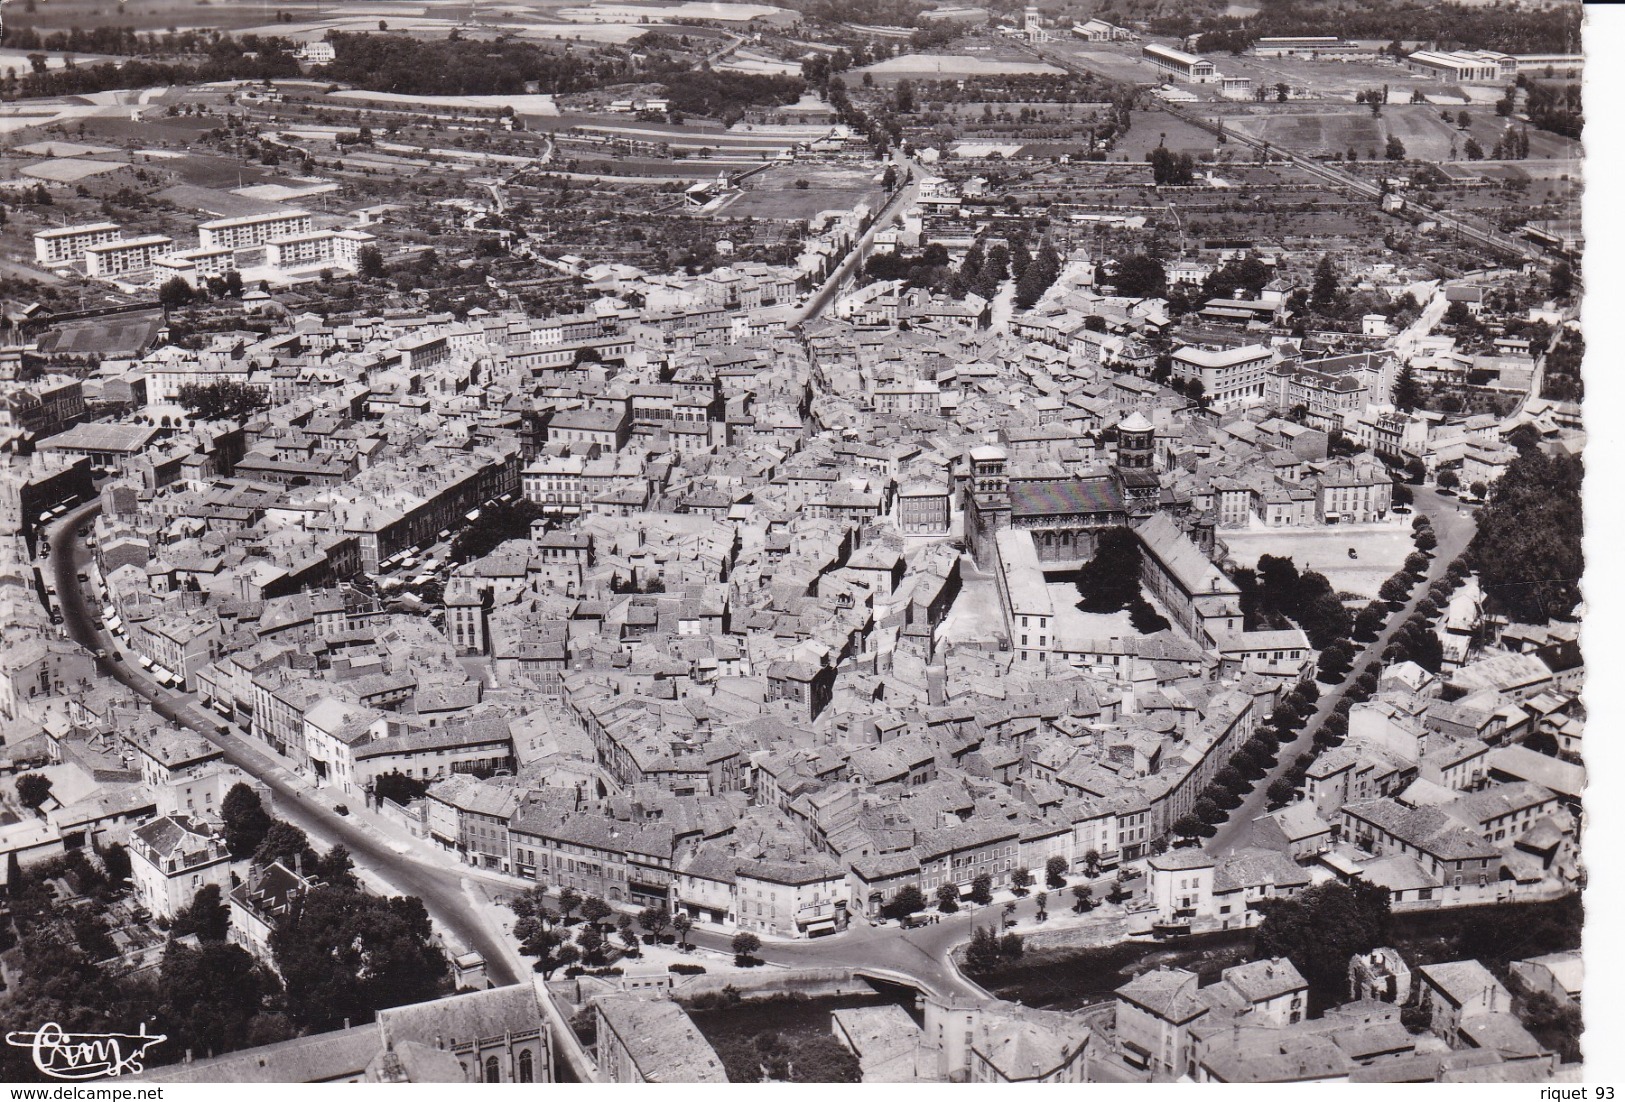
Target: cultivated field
x,y
950,66
1326,129
1149,129
690,9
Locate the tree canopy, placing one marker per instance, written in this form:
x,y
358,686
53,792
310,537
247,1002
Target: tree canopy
x,y
1321,929
347,955
226,401
1527,549
246,820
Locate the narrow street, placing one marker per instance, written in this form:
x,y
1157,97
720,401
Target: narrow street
x,y
1455,531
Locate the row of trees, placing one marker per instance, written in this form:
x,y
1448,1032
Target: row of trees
x,y
1248,765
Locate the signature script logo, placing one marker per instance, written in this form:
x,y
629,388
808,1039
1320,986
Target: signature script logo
x,y
64,1055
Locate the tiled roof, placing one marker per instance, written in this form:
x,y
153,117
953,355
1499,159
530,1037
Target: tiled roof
x,y
1072,496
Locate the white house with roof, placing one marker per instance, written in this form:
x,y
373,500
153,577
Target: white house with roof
x,y
171,858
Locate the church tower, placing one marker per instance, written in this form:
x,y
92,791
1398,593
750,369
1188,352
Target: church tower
x,y
1136,465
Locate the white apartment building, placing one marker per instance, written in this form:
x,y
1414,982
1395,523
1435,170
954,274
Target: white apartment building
x,y
1230,377
300,250
252,230
68,243
341,248
112,259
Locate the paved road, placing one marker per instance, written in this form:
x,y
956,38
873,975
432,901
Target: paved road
x,y
1455,531
900,200
439,888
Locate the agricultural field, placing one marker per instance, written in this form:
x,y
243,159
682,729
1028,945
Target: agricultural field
x,y
950,67
685,9
1121,63
1149,129
1328,129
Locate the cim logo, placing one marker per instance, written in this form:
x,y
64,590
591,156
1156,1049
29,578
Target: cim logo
x,y
64,1055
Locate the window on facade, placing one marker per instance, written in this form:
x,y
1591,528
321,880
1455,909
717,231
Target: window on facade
x,y
493,1071
527,1072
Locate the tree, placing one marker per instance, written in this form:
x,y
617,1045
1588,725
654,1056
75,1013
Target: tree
x,y
1083,897
207,917
1091,863
33,789
1055,872
981,889
591,941
1189,826
369,262
1139,276
174,293
1394,590
1041,900
745,945
905,97
1280,791
1473,150
1171,169
982,955
1527,548
947,898
1321,929
1407,391
398,788
652,918
1021,879
594,910
1369,622
288,844
1395,149
213,998
335,869
245,820
683,924
1562,279
221,401
346,955
1110,581
1426,541
1448,480
1324,290
116,864
908,900
570,900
